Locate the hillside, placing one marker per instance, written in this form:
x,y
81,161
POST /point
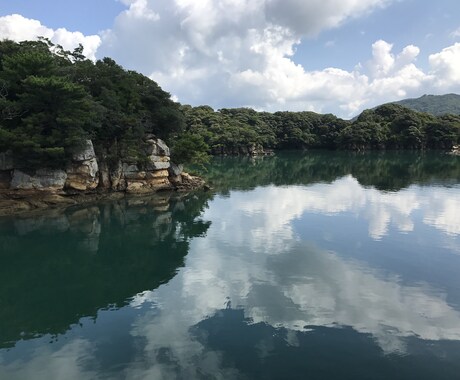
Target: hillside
x,y
435,104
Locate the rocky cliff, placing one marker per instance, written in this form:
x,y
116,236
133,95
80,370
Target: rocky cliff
x,y
89,174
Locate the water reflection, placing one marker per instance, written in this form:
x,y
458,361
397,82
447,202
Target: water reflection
x,y
60,266
314,280
439,206
388,171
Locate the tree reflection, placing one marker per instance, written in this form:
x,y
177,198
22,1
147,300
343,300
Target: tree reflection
x,y
390,171
60,266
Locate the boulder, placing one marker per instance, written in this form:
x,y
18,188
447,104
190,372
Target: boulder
x,y
175,170
42,179
156,147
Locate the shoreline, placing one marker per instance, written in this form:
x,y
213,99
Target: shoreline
x,y
20,202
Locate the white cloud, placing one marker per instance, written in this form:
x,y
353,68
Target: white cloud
x,y
309,18
18,28
242,53
233,53
446,66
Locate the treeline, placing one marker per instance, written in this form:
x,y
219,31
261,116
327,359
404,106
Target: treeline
x,y
390,126
434,104
52,100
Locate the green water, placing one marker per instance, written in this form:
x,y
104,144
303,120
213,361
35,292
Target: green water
x,y
299,266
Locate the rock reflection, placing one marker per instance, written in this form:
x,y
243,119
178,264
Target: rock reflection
x,y
60,266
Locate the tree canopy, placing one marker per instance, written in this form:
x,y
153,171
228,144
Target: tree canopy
x,y
52,100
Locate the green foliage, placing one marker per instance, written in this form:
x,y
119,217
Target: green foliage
x,y
52,100
434,104
190,148
390,126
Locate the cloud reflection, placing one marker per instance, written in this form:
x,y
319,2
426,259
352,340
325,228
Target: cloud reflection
x,y
287,283
252,258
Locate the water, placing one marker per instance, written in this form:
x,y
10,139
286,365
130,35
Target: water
x,y
299,266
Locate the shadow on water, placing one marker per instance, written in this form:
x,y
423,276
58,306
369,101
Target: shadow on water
x,y
387,171
64,265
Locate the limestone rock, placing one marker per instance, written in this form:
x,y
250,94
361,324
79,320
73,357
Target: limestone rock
x,y
190,182
175,170
132,172
158,165
137,187
83,173
156,147
43,179
159,158
104,175
85,153
159,183
118,182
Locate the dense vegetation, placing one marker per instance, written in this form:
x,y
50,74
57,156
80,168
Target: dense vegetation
x,y
390,126
435,104
52,100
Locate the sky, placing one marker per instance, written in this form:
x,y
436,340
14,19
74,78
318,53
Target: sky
x,y
328,56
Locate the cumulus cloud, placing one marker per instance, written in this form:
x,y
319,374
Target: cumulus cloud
x,y
242,53
233,53
18,28
446,66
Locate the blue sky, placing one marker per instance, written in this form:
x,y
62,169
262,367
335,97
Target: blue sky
x,y
338,56
86,16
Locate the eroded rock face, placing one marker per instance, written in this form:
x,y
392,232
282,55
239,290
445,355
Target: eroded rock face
x,y
83,173
156,147
42,179
86,173
154,176
176,170
158,154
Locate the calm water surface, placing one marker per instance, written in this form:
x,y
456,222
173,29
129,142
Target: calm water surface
x,y
299,266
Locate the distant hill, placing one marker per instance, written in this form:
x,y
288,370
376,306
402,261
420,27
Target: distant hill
x,y
435,104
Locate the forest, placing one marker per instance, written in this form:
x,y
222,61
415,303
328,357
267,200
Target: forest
x,y
53,100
